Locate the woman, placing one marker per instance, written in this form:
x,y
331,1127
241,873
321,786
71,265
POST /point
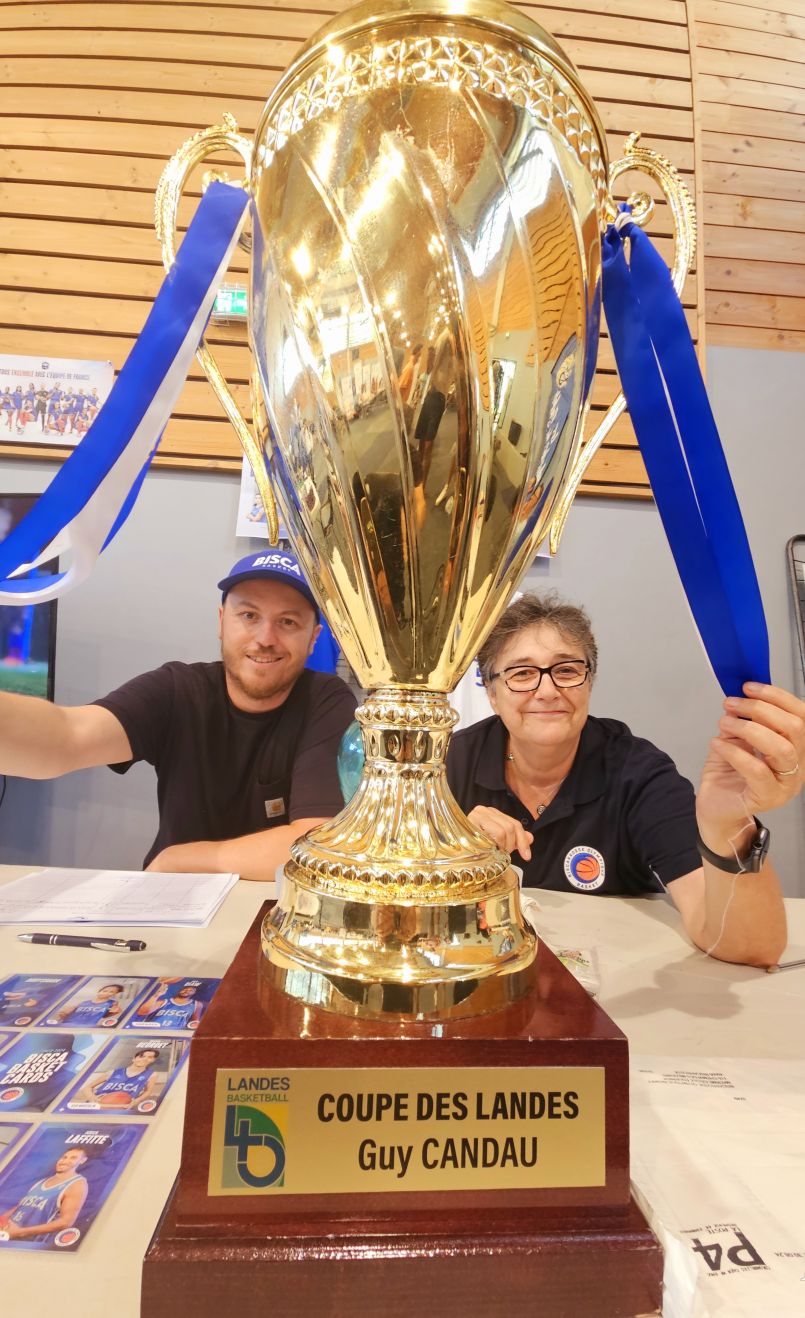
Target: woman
x,y
587,806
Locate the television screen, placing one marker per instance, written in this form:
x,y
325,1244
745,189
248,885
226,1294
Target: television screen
x,y
27,631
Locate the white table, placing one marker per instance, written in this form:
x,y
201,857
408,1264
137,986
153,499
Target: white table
x,y
670,998
667,997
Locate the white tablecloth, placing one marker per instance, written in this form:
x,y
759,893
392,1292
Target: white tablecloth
x,y
694,1146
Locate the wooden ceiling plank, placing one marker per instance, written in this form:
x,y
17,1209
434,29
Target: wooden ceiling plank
x,y
754,336
752,180
761,276
755,18
726,118
746,244
730,148
757,213
738,41
755,68
767,310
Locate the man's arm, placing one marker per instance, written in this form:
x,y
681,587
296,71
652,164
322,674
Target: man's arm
x,y
160,997
42,740
756,763
254,856
89,1091
72,1201
152,1088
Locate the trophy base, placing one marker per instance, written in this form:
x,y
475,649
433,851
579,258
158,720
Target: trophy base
x,y
576,1268
330,1235
414,960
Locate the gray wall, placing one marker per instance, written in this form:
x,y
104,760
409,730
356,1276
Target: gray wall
x,y
152,598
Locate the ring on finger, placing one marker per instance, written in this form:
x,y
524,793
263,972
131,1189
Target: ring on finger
x,y
786,773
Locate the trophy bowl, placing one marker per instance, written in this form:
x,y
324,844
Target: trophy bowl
x,y
429,185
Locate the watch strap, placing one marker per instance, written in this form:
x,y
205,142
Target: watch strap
x,y
751,863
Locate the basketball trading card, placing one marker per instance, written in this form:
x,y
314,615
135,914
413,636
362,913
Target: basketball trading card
x,y
24,998
53,1189
38,1067
99,1002
131,1076
11,1132
6,1036
173,1004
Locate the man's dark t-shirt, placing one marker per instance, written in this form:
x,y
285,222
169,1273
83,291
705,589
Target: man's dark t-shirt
x,y
222,772
623,821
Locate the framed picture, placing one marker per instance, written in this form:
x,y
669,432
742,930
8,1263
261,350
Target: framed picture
x,y
49,403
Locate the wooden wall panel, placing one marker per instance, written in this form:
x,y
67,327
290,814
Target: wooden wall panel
x,y
95,97
750,98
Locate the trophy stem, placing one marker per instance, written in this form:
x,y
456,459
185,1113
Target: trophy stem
x,y
399,904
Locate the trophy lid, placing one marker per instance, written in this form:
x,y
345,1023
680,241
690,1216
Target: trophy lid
x,y
494,15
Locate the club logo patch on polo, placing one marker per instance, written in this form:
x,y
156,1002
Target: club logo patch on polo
x,y
585,868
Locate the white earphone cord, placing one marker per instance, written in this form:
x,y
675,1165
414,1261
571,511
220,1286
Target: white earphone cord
x,y
750,823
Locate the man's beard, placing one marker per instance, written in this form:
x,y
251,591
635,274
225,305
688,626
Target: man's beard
x,y
256,685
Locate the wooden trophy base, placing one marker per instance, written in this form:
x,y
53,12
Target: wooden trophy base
x,y
332,1230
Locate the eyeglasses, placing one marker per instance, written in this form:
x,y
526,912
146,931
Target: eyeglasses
x,y
527,677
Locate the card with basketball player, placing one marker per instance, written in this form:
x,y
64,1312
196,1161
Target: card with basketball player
x,y
11,1132
40,1065
99,1002
24,998
172,1005
131,1076
54,1187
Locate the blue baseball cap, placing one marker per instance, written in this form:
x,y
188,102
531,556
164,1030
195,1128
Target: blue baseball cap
x,y
269,565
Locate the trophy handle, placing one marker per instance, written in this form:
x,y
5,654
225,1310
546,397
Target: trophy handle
x,y
168,195
684,221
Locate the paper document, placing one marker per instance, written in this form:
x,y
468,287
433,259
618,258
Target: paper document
x,y
59,896
718,1166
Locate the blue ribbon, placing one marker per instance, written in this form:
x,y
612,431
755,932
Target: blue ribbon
x,y
190,281
684,459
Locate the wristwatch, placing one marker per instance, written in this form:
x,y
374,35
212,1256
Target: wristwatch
x,y
751,863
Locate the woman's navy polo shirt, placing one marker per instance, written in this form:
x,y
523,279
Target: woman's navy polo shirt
x,y
623,821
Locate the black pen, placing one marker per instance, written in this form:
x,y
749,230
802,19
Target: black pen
x,y
75,940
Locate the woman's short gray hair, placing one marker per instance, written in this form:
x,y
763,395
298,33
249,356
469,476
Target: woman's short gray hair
x,y
534,611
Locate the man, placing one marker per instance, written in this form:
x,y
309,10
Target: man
x,y
587,807
171,1008
244,749
124,1086
52,1204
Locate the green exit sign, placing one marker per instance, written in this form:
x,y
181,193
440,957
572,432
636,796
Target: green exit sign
x,y
230,303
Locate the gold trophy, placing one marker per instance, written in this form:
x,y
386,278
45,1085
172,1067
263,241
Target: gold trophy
x,y
429,185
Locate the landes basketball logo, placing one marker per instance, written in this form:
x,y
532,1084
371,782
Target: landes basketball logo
x,y
585,868
254,1148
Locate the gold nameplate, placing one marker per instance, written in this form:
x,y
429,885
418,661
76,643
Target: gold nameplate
x,y
350,1131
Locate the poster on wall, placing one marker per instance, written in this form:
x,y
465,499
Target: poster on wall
x,y
251,523
50,400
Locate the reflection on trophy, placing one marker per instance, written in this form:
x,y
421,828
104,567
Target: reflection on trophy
x,y
429,191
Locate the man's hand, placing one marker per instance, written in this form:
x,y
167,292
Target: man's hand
x,y
253,856
506,832
756,763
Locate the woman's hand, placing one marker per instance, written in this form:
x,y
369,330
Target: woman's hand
x,y
506,832
756,763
